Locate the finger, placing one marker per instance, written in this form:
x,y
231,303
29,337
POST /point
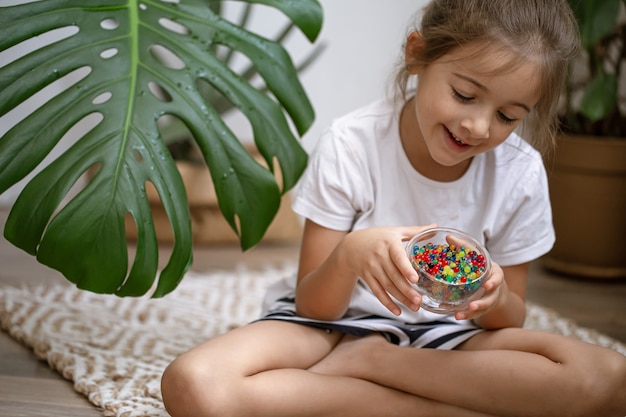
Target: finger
x,y
492,281
382,295
412,300
484,303
402,264
467,315
403,292
400,280
409,232
455,240
395,285
473,310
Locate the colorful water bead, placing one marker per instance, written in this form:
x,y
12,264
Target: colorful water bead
x,y
449,263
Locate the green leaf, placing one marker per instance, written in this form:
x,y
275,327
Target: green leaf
x,y
306,15
596,18
117,82
600,97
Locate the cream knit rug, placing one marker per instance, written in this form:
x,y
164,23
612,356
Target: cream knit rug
x,y
115,349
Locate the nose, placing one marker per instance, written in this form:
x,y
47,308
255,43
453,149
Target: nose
x,y
477,125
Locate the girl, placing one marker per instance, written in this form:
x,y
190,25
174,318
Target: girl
x,y
348,337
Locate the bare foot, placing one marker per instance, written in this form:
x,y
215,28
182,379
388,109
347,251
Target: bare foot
x,y
348,356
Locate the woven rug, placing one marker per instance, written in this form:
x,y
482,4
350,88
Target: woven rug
x,y
115,349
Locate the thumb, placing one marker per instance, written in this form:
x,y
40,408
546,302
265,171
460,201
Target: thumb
x,y
409,232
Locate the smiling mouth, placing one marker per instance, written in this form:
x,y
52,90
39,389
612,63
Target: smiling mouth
x,y
455,139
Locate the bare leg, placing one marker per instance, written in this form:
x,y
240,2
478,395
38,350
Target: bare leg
x,y
510,372
261,370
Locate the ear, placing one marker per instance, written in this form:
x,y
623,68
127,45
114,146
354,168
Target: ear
x,y
412,51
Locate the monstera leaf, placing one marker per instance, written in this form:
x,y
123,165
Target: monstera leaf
x,y
129,64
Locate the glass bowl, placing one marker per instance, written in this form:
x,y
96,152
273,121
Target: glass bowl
x,y
452,267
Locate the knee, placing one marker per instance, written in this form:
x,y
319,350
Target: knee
x,y
605,387
180,384
614,371
190,389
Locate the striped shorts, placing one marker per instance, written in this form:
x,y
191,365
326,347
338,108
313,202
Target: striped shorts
x,y
366,315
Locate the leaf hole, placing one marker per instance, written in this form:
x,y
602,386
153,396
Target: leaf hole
x,y
166,57
277,171
93,169
69,139
109,24
143,6
102,98
35,43
159,92
137,155
131,230
237,224
173,26
178,138
234,118
108,53
130,226
159,221
41,97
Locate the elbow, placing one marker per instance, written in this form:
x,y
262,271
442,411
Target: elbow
x,y
318,311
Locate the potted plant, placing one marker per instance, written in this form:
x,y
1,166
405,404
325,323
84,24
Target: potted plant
x,y
587,173
131,63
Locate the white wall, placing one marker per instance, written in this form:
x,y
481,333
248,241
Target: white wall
x,y
363,42
364,39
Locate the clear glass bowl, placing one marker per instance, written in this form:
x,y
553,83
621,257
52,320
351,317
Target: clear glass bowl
x,y
452,267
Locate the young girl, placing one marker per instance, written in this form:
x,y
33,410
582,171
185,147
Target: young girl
x,y
347,337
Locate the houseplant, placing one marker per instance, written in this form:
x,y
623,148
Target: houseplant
x,y
122,84
587,173
208,223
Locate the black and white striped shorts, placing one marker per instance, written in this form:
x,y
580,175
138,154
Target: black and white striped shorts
x,y
366,315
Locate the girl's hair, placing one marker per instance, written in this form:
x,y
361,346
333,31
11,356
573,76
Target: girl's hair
x,y
540,31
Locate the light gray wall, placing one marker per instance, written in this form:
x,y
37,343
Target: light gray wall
x,y
364,39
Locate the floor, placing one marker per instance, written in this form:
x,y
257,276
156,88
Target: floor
x,y
29,388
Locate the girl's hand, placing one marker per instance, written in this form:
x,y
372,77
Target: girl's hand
x,y
495,286
378,256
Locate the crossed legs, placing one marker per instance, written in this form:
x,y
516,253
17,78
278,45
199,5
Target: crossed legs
x,y
273,368
509,372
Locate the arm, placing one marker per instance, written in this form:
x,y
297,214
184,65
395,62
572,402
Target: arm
x,y
323,290
503,304
332,261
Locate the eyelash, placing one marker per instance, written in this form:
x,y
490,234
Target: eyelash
x,y
463,99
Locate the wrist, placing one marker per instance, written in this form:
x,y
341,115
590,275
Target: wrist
x,y
509,310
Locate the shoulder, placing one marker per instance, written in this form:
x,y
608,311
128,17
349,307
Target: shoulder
x,y
340,180
368,122
358,134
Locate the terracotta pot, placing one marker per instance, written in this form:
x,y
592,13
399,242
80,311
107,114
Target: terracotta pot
x,y
587,178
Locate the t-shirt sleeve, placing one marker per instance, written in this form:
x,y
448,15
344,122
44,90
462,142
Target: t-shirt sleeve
x,y
525,230
333,188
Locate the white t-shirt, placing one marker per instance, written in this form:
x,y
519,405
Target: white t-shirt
x,y
359,176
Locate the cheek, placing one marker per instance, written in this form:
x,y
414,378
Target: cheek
x,y
435,109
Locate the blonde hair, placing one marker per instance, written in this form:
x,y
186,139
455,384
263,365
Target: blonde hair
x,y
541,31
